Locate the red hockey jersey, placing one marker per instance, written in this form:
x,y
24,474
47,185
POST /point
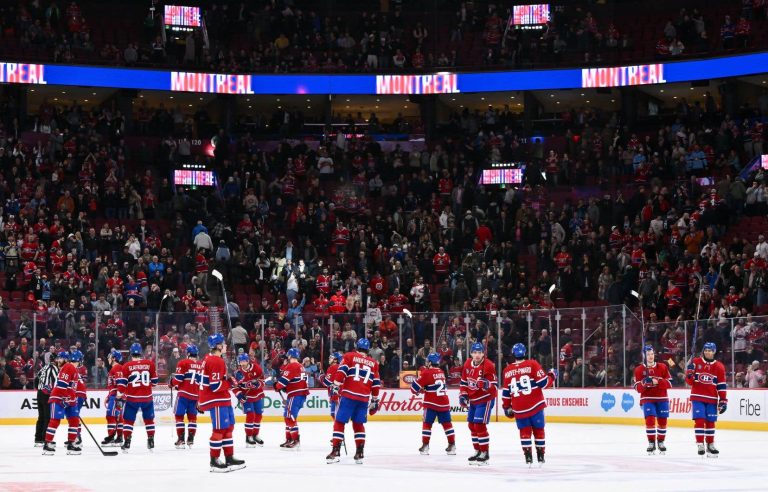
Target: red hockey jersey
x,y
115,374
64,389
523,384
471,374
328,378
185,378
358,375
431,382
250,383
662,381
81,387
293,380
707,381
139,376
214,387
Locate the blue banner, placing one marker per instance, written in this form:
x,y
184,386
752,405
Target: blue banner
x,y
396,84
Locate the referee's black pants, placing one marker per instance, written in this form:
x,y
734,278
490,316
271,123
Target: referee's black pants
x,y
43,416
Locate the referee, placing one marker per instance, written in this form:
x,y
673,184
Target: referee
x,y
46,380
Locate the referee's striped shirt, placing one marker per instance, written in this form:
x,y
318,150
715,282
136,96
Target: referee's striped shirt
x,y
46,377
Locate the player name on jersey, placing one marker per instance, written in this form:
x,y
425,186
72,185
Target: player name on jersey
x,y
623,76
437,83
215,83
22,73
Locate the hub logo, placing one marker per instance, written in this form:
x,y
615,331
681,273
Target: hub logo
x,y
162,402
608,401
627,402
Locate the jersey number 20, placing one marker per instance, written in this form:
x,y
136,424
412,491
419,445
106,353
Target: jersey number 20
x,y
140,378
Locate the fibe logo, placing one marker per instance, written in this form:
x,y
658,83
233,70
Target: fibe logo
x,y
748,408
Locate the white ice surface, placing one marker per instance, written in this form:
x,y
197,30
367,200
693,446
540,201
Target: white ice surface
x,y
580,458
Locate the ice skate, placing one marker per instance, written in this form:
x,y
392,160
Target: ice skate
x,y
662,448
108,441
528,456
49,449
180,443
74,449
359,455
151,443
334,455
540,455
234,464
482,458
700,449
473,459
424,449
451,450
126,447
651,449
217,466
712,451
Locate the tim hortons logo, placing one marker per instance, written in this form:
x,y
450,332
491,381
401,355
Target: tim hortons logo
x,y
389,404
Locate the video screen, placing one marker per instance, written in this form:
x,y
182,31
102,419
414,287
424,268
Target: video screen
x,y
528,15
177,15
502,176
185,177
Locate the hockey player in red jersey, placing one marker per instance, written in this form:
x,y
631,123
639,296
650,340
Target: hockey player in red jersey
x,y
477,390
357,382
652,380
706,376
249,389
522,399
139,376
114,406
63,401
431,382
186,401
214,397
292,381
333,366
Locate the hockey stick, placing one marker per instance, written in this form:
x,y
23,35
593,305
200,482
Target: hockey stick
x,y
104,453
696,319
173,405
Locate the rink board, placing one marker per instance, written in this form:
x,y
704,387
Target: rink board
x,y
747,409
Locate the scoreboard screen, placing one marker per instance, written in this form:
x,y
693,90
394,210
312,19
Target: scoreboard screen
x,y
187,177
502,176
178,15
529,15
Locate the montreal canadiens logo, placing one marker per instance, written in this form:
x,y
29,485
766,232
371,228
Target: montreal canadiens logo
x,y
409,378
706,378
161,402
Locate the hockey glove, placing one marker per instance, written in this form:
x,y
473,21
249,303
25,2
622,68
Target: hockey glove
x,y
509,412
72,402
334,389
241,397
553,373
464,401
690,367
722,406
648,381
373,407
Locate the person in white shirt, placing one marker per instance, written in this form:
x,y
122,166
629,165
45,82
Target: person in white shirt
x,y
762,247
755,377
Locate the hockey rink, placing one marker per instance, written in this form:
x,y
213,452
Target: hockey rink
x,y
579,457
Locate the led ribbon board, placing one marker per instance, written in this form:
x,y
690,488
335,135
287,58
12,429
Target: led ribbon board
x,y
400,84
